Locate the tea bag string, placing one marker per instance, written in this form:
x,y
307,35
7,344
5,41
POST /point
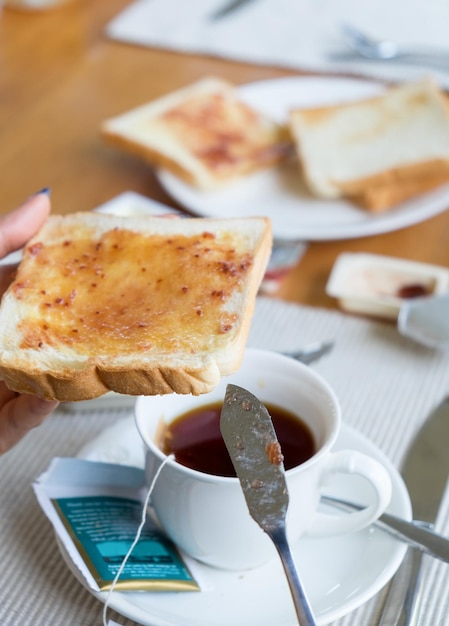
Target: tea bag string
x,y
136,538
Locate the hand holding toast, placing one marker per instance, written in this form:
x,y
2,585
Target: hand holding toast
x,y
20,413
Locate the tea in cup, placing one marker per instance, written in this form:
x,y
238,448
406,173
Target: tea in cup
x,y
197,497
195,440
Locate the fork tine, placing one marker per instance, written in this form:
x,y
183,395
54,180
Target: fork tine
x,y
311,353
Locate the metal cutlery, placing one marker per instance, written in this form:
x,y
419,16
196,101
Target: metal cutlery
x,y
311,353
387,50
425,471
228,8
245,426
414,533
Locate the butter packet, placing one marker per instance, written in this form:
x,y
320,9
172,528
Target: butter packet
x,y
96,509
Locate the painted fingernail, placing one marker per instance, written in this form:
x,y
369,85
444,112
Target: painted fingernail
x,y
46,190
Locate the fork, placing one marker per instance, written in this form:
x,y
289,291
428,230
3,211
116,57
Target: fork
x,y
386,50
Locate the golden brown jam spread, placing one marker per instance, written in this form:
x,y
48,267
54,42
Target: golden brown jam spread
x,y
127,293
274,453
224,133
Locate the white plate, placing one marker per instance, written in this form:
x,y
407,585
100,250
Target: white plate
x,y
339,574
279,194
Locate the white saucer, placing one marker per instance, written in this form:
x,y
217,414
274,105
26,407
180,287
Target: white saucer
x,y
339,574
280,194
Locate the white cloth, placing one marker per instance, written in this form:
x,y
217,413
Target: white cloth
x,y
386,384
294,34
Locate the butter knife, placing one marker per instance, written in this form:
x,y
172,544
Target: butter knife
x,y
248,433
425,471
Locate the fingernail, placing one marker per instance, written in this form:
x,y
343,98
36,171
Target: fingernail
x,y
46,190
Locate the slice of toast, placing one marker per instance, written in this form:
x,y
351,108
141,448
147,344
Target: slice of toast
x,y
137,305
378,151
204,133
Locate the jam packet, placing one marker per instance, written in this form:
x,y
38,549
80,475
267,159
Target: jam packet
x,y
96,510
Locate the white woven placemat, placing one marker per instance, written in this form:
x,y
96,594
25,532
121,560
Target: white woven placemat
x,y
387,385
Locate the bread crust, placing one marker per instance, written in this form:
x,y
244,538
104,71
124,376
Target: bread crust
x,y
381,192
95,380
381,197
62,372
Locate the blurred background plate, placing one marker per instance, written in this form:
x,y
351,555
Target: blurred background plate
x,y
279,193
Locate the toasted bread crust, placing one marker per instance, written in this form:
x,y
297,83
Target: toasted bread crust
x,y
53,366
94,381
380,193
411,173
379,198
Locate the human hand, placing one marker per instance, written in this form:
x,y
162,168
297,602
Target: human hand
x,y
19,413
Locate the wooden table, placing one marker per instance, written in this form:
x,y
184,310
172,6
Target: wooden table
x,y
60,77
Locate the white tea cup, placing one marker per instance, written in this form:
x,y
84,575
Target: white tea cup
x,y
206,515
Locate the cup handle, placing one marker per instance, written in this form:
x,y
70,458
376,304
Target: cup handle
x,y
353,462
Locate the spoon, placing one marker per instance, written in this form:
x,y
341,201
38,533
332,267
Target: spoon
x,y
385,49
246,427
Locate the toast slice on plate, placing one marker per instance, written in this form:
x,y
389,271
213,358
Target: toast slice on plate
x,y
137,305
377,152
204,133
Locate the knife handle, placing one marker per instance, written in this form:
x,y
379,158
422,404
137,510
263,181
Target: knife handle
x,y
414,595
419,534
403,602
398,591
303,609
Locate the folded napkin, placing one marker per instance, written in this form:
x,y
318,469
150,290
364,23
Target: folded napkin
x,y
294,34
